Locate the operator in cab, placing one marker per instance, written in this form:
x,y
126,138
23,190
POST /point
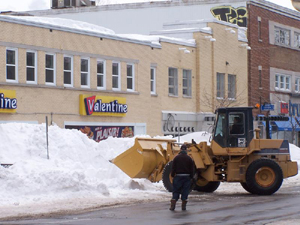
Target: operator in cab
x,y
182,173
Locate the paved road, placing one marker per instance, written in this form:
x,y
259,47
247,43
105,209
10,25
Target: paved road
x,y
280,208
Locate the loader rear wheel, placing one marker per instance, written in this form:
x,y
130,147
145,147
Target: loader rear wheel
x,y
206,186
264,177
166,177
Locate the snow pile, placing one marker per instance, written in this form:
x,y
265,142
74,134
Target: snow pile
x,y
78,174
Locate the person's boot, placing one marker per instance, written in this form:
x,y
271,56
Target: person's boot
x,y
183,206
173,204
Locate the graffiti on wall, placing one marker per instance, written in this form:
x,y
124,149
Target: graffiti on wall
x,y
230,14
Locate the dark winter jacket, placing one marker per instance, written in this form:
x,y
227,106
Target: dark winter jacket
x,y
183,164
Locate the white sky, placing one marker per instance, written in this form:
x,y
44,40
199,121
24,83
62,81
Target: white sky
x,y
24,5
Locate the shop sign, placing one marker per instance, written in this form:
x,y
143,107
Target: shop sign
x,y
8,101
284,108
99,133
294,109
102,105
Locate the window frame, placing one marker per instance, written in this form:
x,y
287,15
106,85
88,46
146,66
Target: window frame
x,y
188,88
297,84
132,76
34,67
296,39
70,71
153,80
281,83
220,91
278,30
15,65
101,74
116,75
87,73
174,77
229,87
52,69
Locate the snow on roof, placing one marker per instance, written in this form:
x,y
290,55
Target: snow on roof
x,y
91,29
155,39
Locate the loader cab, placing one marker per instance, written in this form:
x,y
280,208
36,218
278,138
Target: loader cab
x,y
233,127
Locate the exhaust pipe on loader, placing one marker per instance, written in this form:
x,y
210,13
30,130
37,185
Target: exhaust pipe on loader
x,y
146,158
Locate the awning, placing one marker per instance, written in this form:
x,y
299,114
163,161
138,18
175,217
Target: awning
x,y
285,125
288,125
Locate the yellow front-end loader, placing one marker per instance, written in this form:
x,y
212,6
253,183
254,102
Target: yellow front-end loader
x,y
234,155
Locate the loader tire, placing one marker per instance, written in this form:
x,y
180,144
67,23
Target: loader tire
x,y
264,177
245,186
166,177
209,187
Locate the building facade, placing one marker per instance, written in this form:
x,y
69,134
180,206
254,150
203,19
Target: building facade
x,y
105,84
274,71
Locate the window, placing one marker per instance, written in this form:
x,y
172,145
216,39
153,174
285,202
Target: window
x,y
259,77
220,85
282,36
259,28
297,85
187,83
173,81
282,82
236,123
68,71
11,65
153,80
116,81
50,69
297,40
130,77
231,86
85,74
101,79
31,70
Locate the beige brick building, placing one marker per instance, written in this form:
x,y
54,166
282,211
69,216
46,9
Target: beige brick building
x,y
140,84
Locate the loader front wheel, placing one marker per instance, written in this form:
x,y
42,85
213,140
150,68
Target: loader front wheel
x,y
205,186
264,177
166,177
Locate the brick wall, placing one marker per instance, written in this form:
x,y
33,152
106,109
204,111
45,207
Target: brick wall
x,y
265,54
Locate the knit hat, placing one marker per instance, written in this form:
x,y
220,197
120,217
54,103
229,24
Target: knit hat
x,y
183,148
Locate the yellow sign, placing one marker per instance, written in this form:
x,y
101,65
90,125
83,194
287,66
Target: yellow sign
x,y
92,105
8,101
230,14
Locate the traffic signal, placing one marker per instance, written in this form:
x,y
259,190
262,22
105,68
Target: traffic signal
x,y
272,118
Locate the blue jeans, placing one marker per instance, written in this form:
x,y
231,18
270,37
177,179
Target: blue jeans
x,y
181,185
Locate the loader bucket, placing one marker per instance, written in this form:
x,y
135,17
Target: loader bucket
x,y
146,156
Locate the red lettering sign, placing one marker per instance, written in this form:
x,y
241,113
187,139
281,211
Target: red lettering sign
x,y
284,108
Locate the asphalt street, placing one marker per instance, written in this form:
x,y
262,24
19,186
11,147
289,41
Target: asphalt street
x,y
213,208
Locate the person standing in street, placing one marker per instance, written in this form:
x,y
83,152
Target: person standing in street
x,y
182,173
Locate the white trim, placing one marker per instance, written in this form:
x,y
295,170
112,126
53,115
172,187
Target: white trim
x,y
118,75
72,75
34,67
87,73
16,65
99,74
54,69
133,77
154,80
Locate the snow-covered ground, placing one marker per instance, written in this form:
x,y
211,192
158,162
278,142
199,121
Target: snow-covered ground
x,y
78,174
